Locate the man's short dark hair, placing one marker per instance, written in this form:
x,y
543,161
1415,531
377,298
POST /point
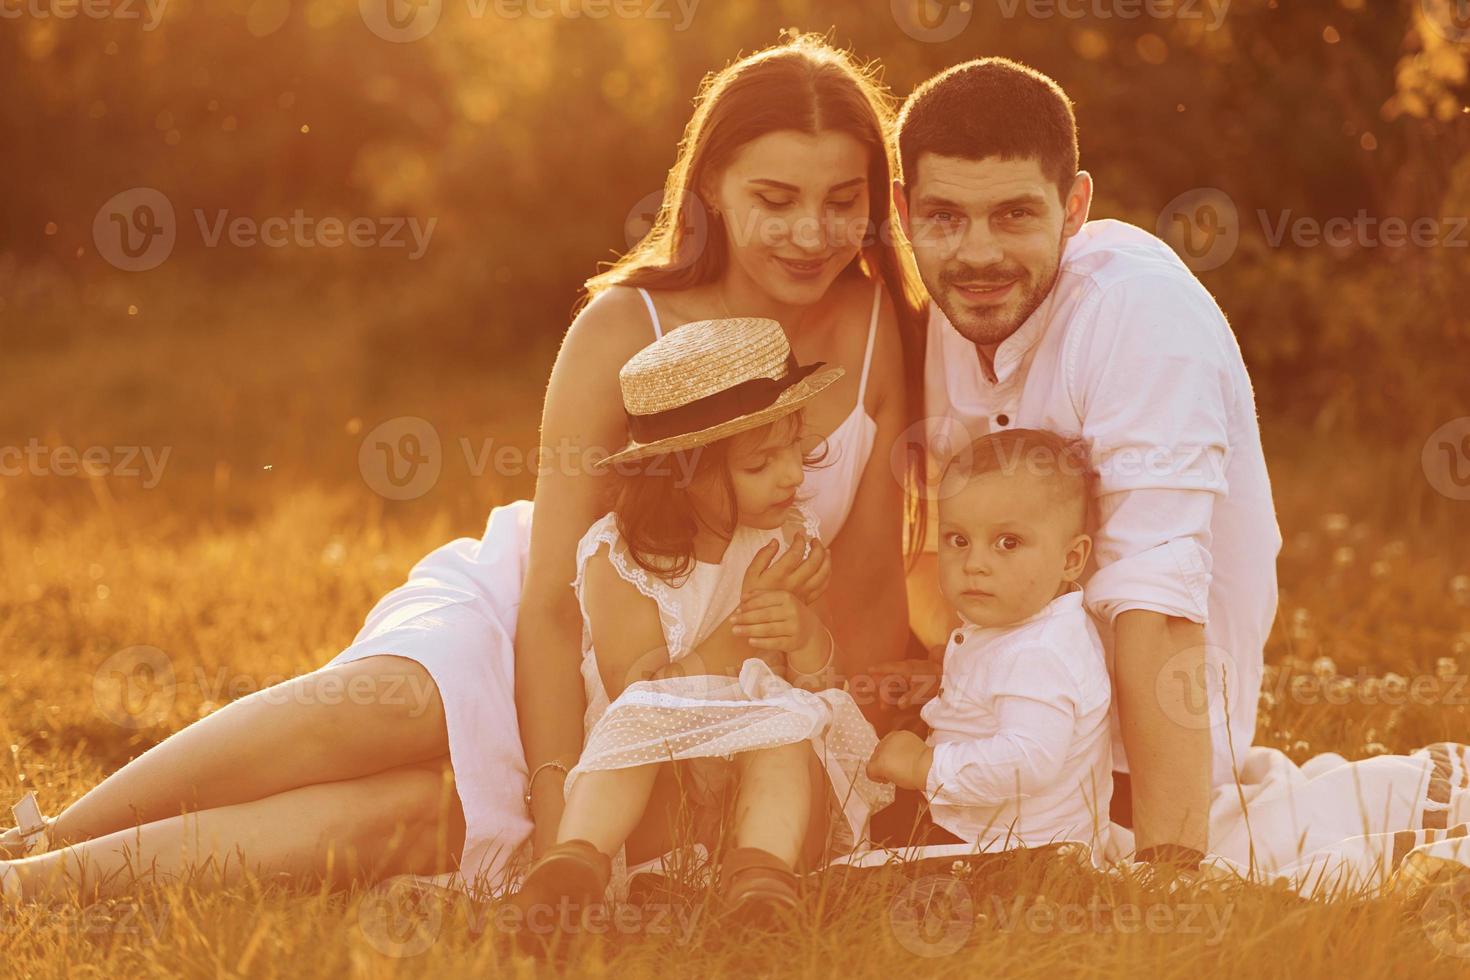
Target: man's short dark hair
x,y
990,107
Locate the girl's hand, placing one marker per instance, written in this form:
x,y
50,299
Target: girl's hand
x,y
902,758
809,581
776,620
806,577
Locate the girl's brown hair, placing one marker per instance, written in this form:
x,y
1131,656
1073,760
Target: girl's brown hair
x,y
654,502
807,85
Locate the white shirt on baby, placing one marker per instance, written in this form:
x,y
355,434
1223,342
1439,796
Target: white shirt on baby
x,y
1020,732
1130,352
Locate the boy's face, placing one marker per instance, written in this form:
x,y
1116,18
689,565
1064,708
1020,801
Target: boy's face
x,y
1007,546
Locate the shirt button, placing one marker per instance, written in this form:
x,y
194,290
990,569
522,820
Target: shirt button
x,y
959,638
1002,419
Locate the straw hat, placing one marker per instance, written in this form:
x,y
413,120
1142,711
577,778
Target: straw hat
x,y
711,379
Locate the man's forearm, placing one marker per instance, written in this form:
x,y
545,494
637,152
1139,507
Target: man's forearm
x,y
1159,674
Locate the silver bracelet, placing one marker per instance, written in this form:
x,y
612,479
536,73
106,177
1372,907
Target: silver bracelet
x,y
831,652
530,783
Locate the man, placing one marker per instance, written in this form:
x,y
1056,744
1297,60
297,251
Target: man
x,y
1043,319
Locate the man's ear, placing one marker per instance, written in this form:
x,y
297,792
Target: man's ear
x,y
901,205
1077,204
1077,554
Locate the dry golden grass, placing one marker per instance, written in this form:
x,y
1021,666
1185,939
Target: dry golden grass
x,y
244,574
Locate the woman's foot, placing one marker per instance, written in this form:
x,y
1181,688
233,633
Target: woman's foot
x,y
31,834
758,887
568,878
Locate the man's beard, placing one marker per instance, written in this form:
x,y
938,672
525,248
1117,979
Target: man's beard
x,y
986,327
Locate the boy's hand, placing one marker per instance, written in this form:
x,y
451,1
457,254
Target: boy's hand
x,y
902,758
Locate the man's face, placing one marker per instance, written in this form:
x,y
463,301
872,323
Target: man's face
x,y
987,237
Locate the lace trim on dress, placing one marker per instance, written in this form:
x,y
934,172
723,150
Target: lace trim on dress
x,y
605,531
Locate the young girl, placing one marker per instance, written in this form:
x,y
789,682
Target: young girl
x,y
695,631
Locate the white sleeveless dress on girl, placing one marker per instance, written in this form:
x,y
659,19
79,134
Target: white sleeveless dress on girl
x,y
456,616
708,719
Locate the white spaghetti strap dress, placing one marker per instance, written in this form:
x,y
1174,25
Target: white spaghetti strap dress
x,y
456,616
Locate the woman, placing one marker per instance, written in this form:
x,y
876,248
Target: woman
x,y
785,167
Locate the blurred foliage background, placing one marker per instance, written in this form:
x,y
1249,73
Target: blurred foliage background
x,y
529,130
532,134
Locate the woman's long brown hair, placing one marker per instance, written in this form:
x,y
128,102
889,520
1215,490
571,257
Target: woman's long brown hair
x,y
806,85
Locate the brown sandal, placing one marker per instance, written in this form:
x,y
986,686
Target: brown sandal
x,y
757,886
571,875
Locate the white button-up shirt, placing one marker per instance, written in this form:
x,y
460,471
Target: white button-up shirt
x,y
1130,352
1020,731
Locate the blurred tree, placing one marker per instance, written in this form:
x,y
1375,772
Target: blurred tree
x,y
530,139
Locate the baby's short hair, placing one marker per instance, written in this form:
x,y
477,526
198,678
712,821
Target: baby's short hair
x,y
1064,462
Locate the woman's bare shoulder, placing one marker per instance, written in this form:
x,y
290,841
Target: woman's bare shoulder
x,y
615,320
583,392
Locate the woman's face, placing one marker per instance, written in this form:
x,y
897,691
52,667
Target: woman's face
x,y
794,208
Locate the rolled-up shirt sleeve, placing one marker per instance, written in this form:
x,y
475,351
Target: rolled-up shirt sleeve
x,y
1151,384
1034,697
1153,552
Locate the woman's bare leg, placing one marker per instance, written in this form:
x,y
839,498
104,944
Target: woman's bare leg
x,y
404,820
337,723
